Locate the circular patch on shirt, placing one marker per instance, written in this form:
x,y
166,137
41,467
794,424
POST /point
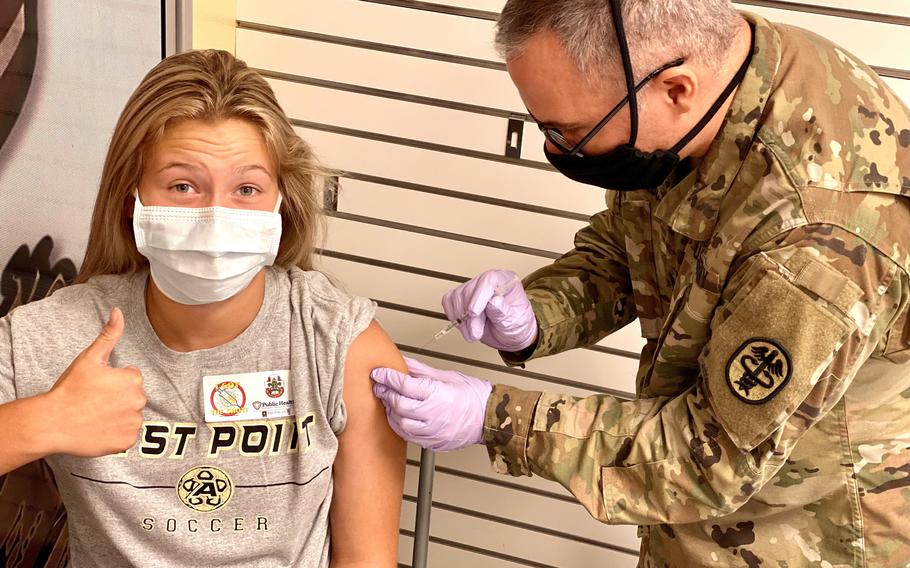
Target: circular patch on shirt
x,y
228,398
758,370
205,488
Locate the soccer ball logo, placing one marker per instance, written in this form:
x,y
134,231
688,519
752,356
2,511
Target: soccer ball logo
x,y
205,488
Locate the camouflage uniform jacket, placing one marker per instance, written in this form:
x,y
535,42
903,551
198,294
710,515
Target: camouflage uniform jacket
x,y
772,423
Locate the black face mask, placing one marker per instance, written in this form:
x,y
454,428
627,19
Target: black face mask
x,y
626,168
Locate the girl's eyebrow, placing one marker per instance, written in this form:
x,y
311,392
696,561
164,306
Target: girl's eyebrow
x,y
244,169
186,165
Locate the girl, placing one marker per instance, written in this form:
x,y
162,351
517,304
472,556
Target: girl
x,y
201,393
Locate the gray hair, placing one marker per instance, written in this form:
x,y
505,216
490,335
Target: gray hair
x,y
658,31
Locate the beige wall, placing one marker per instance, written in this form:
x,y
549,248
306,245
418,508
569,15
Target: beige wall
x,y
215,24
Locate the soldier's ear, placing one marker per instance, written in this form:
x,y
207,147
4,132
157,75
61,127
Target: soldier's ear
x,y
679,88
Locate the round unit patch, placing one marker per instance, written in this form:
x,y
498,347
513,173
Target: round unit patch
x,y
205,489
758,370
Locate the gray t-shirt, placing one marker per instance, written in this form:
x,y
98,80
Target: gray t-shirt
x,y
254,492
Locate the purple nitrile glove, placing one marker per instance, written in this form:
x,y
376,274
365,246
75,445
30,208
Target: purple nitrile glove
x,y
437,410
499,313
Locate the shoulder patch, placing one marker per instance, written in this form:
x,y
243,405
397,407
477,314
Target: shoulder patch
x,y
758,370
766,357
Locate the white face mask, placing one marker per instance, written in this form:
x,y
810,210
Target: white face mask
x,y
205,255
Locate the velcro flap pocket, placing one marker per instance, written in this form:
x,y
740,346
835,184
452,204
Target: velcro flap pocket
x,y
824,281
765,358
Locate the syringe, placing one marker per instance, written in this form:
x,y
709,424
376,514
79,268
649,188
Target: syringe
x,y
500,290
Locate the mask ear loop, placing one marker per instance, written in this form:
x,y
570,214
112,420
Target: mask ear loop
x,y
137,204
627,68
278,204
734,83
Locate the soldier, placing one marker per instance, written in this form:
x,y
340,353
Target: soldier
x,y
758,229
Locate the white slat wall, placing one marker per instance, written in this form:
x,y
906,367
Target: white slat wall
x,y
410,100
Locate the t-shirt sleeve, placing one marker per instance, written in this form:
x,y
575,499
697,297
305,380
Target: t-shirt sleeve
x,y
7,382
357,315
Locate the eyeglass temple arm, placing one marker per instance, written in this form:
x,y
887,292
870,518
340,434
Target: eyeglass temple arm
x,y
622,103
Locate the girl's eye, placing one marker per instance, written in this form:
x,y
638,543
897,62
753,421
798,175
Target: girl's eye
x,y
182,188
247,191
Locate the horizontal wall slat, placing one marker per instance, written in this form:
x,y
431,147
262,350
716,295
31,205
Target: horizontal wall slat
x,y
453,172
896,11
488,6
871,42
418,29
423,251
465,196
385,93
455,237
446,553
901,87
379,70
406,542
392,117
458,216
423,145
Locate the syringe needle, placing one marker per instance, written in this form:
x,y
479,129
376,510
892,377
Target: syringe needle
x,y
445,331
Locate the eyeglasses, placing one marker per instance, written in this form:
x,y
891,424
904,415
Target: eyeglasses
x,y
558,139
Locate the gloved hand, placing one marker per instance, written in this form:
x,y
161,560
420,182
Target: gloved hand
x,y
437,410
499,313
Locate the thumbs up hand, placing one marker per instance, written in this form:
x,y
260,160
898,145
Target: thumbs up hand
x,y
100,407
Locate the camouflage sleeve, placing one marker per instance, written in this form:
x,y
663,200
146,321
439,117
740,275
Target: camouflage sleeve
x,y
7,386
793,326
583,296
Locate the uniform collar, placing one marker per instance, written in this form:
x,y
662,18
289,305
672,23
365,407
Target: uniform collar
x,y
692,208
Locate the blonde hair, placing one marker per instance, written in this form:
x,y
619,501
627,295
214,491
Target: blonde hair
x,y
201,85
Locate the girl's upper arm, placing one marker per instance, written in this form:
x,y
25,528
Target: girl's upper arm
x,y
369,467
